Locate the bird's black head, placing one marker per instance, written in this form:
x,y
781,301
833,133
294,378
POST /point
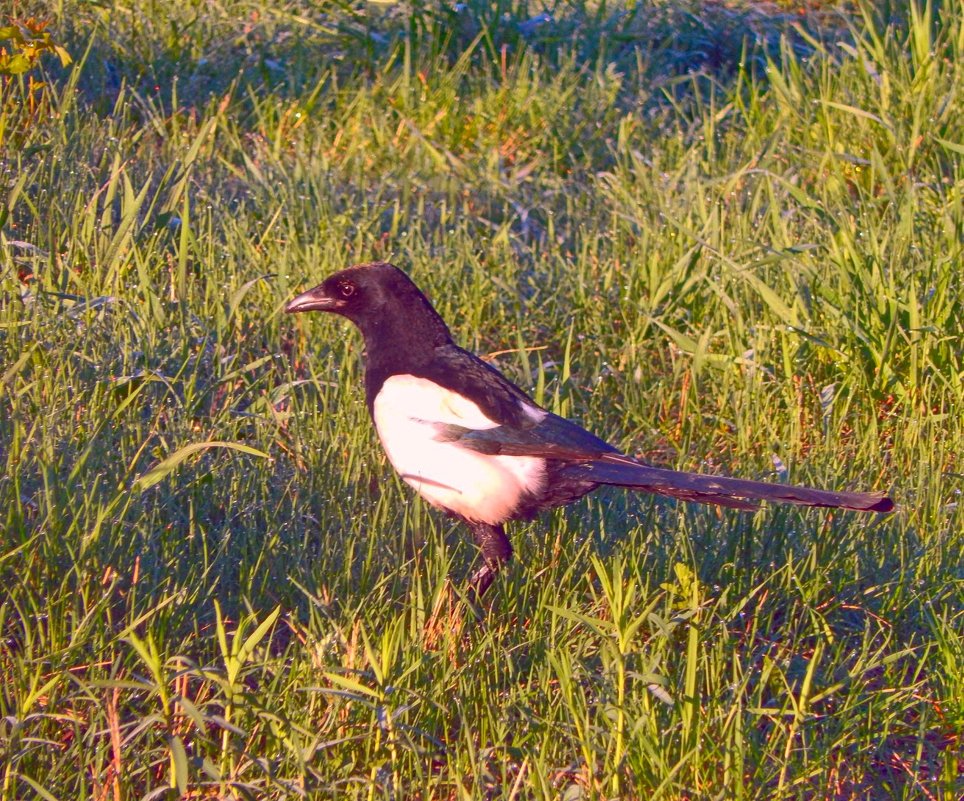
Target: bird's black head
x,y
380,299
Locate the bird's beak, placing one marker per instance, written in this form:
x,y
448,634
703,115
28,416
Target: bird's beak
x,y
314,300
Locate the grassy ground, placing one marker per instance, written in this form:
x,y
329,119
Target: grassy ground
x,y
728,238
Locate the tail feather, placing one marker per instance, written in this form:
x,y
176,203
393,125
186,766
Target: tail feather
x,y
738,493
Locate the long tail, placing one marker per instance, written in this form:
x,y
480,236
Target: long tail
x,y
738,493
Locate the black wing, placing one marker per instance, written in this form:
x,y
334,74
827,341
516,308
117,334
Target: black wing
x,y
552,437
465,373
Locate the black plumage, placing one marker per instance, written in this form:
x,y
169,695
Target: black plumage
x,y
475,445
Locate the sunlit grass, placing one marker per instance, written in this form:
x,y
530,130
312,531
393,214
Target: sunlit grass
x,y
726,238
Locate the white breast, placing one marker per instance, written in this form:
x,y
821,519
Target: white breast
x,y
408,412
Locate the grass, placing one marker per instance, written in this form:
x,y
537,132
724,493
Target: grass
x,y
728,237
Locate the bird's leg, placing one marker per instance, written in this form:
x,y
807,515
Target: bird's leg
x,y
496,551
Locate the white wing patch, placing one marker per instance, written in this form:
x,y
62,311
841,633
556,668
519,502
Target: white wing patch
x,y
408,412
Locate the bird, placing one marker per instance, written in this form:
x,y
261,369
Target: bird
x,y
476,446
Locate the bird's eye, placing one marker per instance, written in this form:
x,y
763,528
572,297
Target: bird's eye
x,y
346,290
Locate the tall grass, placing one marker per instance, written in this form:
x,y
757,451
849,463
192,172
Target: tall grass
x,y
728,238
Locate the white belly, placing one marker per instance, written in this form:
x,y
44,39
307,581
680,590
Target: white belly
x,y
479,487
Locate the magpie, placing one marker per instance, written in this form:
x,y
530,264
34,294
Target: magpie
x,y
473,444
